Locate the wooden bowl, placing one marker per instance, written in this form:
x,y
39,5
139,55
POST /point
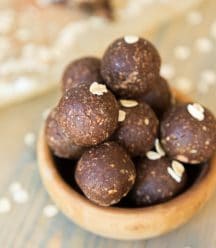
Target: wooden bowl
x,y
124,223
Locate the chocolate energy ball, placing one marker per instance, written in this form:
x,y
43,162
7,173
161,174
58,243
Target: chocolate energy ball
x,y
58,142
157,181
188,133
88,115
105,173
130,66
159,97
138,129
81,71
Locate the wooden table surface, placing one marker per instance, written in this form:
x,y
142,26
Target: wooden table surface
x,y
25,225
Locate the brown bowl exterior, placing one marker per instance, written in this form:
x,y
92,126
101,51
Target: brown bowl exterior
x,y
124,223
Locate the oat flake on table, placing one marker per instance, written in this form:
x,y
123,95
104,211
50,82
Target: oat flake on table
x,y
20,196
5,205
15,187
182,52
204,45
194,17
167,71
30,139
208,76
50,211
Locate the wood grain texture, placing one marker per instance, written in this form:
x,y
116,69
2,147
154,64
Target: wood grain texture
x,y
26,226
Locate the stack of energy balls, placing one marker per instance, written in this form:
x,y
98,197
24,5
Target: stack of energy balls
x,y
118,121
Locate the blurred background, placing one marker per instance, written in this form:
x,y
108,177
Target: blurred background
x,y
37,39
